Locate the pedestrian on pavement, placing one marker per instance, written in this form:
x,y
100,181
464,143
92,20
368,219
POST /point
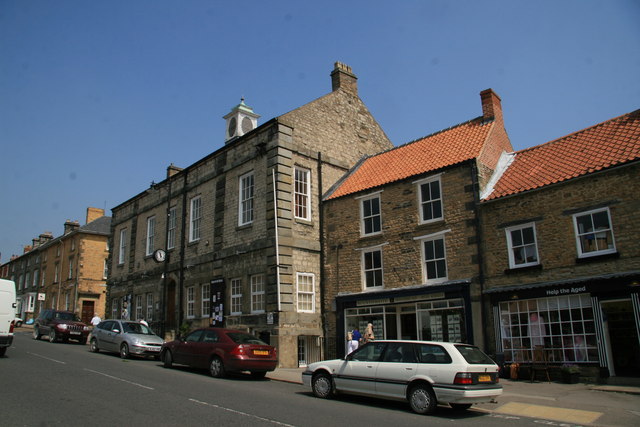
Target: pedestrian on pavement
x,y
95,320
354,342
368,334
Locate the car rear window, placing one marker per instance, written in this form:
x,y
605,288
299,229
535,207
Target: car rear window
x,y
242,338
474,355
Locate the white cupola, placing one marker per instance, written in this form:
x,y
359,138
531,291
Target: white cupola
x,y
240,120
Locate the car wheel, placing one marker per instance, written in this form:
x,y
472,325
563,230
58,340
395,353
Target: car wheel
x,y
93,346
258,375
167,359
216,368
322,385
124,351
52,335
460,406
422,399
36,333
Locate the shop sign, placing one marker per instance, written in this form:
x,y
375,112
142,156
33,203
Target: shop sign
x,y
566,291
438,295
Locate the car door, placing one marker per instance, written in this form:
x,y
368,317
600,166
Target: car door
x,y
399,364
45,324
108,334
357,373
184,350
99,332
203,349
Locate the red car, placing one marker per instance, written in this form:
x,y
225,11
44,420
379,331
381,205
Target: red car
x,y
221,351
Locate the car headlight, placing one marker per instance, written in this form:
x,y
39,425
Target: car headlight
x,y
63,327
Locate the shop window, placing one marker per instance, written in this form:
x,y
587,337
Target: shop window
x,y
564,326
594,234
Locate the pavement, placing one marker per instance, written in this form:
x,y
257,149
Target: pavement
x,y
556,403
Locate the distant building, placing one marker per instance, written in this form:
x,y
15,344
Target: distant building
x,y
234,239
560,228
401,236
68,272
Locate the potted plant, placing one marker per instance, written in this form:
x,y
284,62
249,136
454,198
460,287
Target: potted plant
x,y
570,373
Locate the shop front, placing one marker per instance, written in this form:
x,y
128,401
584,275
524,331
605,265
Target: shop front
x,y
433,313
592,323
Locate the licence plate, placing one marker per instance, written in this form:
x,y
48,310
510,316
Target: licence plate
x,y
484,378
75,333
261,352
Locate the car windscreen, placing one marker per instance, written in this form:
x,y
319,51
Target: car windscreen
x,y
136,328
242,338
66,316
474,355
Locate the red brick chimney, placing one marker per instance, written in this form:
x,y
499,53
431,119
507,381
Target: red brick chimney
x,y
343,78
491,105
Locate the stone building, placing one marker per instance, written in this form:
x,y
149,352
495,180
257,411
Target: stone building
x,y
234,239
68,272
401,236
562,265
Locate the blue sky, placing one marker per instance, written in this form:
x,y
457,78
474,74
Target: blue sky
x,y
97,98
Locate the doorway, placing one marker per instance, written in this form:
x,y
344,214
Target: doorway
x,y
88,308
623,347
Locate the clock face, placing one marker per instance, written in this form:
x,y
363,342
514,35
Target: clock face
x,y
247,125
159,255
232,126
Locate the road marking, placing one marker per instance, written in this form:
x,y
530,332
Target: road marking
x,y
575,416
47,358
242,413
119,379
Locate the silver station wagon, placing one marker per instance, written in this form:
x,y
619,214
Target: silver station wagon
x,y
424,373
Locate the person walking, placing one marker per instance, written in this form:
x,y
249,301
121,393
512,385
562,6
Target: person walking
x,y
354,340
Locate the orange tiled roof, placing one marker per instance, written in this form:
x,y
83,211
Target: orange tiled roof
x,y
445,148
604,145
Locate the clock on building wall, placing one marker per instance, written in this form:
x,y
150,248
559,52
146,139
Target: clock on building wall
x,y
159,255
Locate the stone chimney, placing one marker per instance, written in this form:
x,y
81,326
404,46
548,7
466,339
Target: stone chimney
x,y
491,105
172,170
45,237
93,214
27,248
343,78
70,226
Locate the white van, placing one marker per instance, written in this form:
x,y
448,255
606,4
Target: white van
x,y
7,313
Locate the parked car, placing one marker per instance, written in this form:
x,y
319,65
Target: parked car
x,y
424,373
221,351
7,314
60,325
126,337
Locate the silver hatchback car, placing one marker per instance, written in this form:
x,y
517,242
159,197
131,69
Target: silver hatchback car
x,y
126,337
424,373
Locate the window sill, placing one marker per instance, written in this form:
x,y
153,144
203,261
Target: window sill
x,y
517,270
603,257
303,221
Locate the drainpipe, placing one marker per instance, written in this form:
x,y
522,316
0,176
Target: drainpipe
x,y
481,273
275,217
182,248
322,241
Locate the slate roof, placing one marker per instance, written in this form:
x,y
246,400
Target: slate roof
x,y
445,148
607,144
100,225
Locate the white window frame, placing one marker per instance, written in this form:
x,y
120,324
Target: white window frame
x,y
423,254
191,302
149,316
302,193
422,202
195,218
306,292
151,232
56,273
31,303
365,253
371,216
246,191
236,296
105,269
596,233
123,246
36,278
171,231
258,294
205,306
138,307
70,268
512,248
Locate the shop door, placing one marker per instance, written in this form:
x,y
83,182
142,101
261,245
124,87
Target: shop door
x,y
408,326
623,337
